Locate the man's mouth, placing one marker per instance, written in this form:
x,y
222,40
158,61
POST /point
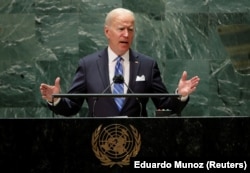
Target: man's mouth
x,y
124,42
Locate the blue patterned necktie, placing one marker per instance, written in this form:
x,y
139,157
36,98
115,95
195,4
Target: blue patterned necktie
x,y
119,87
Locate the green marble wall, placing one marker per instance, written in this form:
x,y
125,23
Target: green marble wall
x,y
43,39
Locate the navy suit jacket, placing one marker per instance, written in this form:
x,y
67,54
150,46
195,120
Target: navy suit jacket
x,y
92,76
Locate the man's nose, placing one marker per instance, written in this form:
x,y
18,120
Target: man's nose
x,y
126,32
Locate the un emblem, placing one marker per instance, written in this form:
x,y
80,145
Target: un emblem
x,y
115,144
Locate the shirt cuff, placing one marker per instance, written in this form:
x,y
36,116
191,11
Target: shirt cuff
x,y
55,103
184,98
181,98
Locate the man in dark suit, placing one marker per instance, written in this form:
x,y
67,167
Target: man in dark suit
x,y
140,73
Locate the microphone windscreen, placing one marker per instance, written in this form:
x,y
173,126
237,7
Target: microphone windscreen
x,y
118,79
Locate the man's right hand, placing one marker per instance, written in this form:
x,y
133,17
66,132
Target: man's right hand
x,y
48,90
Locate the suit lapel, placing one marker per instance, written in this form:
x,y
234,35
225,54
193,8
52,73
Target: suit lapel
x,y
134,67
102,64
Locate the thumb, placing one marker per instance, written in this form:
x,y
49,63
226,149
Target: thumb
x,y
57,82
184,76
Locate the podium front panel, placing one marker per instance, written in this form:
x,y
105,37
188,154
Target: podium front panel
x,y
121,144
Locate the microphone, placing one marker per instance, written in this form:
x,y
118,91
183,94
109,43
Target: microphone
x,y
120,79
117,79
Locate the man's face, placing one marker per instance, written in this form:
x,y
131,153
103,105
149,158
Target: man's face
x,y
120,33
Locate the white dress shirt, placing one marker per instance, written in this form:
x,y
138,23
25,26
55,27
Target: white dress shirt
x,y
125,64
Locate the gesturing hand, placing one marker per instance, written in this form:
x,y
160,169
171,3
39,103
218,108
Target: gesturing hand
x,y
48,90
186,87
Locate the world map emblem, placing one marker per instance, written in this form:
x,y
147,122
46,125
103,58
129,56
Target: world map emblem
x,y
115,144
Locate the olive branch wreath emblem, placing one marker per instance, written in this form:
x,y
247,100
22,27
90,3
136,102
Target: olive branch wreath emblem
x,y
103,157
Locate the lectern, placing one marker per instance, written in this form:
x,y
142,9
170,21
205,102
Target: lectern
x,y
124,145
134,95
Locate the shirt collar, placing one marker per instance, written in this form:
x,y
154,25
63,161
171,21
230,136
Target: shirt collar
x,y
112,56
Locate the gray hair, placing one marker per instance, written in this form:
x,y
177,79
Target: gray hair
x,y
110,16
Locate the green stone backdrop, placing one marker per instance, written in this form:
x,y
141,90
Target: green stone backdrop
x,y
43,39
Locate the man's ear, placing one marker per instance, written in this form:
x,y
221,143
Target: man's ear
x,y
106,31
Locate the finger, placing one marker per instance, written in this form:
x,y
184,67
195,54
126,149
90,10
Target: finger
x,y
44,86
42,89
184,75
194,84
57,82
44,97
195,79
192,90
